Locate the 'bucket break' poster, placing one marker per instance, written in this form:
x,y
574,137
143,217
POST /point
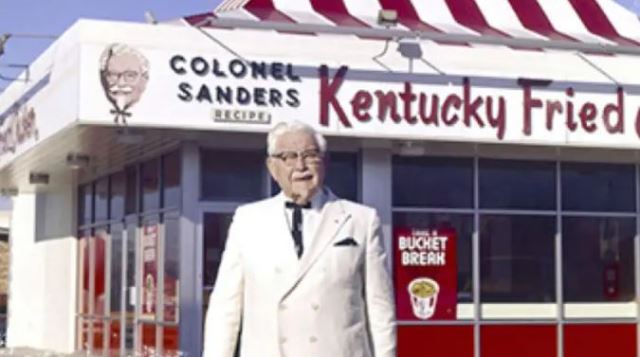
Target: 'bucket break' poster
x,y
425,273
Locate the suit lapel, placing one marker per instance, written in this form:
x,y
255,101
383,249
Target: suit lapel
x,y
332,219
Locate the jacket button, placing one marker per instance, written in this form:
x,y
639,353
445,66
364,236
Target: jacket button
x,y
313,339
315,306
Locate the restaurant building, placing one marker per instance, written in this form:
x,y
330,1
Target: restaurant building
x,y
497,139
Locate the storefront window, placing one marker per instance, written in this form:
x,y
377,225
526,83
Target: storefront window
x,y
149,242
171,269
130,296
342,174
171,179
101,200
131,198
232,175
598,187
117,195
507,184
85,204
598,259
517,258
432,182
84,272
216,226
116,271
151,185
99,303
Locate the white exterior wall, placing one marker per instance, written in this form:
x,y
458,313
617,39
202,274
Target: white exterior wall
x,y
42,296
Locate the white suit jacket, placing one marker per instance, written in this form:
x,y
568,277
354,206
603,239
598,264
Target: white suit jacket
x,y
336,301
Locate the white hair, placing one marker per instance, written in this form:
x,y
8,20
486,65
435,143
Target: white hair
x,y
288,127
116,49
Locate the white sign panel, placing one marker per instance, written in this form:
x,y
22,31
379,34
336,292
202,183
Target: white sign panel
x,y
216,91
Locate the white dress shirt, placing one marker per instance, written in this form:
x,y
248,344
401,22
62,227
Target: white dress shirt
x,y
310,216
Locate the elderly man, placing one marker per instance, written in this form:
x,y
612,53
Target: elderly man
x,y
303,272
124,73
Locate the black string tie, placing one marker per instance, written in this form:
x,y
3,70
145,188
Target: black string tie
x,y
296,225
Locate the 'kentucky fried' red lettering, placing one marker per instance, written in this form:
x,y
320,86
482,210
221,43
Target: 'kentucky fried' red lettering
x,y
575,116
406,106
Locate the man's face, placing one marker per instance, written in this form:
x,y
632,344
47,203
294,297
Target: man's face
x,y
124,79
297,166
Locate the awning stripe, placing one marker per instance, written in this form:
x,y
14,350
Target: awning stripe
x,y
565,19
266,11
532,17
499,14
407,16
588,21
467,13
597,22
336,11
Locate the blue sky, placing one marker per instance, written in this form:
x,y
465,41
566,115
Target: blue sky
x,y
52,17
631,4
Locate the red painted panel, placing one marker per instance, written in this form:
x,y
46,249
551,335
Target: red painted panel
x,y
98,343
170,341
597,21
114,338
436,341
533,18
518,340
600,340
148,346
83,334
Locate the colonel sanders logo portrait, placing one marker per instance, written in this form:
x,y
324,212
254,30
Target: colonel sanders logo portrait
x,y
124,73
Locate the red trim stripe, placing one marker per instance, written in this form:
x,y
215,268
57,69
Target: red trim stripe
x,y
336,11
266,11
532,17
467,13
597,21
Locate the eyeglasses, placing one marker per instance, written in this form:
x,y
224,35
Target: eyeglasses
x,y
290,158
127,76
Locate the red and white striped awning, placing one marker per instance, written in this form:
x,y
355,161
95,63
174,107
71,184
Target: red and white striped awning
x,y
599,22
567,41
